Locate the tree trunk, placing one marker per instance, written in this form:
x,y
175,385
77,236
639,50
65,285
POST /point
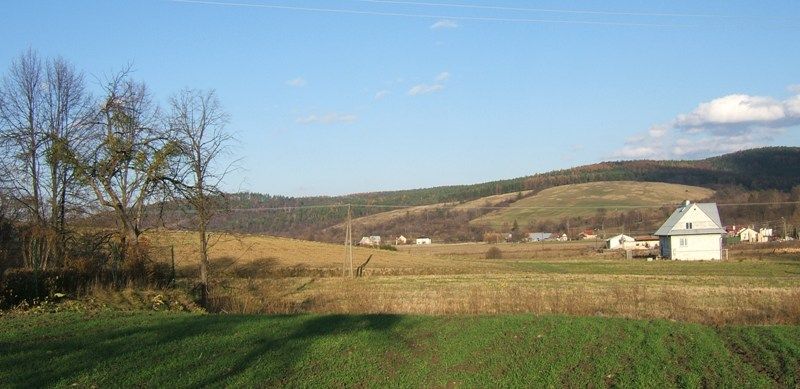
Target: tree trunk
x,y
201,230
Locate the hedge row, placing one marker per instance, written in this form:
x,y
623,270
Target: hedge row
x,y
28,285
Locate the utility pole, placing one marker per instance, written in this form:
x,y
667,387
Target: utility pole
x,y
784,227
348,244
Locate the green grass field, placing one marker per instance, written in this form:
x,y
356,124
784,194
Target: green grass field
x,y
183,350
585,200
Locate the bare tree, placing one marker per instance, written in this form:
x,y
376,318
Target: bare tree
x,y
21,100
198,121
67,111
129,157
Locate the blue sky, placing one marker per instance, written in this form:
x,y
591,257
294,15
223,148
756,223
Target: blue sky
x,y
330,102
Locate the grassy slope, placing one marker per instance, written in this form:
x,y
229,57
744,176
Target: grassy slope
x,y
592,195
155,349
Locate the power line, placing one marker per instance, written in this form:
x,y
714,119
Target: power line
x,y
544,10
457,207
424,16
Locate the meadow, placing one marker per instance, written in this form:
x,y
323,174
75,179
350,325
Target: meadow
x,y
259,274
189,350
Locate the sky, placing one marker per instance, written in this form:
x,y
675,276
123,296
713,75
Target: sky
x,y
346,96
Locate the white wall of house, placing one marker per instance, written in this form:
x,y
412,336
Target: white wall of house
x,y
618,241
423,241
693,247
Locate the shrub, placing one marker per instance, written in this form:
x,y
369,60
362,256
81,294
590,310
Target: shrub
x,y
494,252
387,247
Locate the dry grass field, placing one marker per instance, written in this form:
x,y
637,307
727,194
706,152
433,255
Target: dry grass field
x,y
585,200
260,274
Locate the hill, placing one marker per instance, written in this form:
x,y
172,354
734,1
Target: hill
x,y
584,200
763,169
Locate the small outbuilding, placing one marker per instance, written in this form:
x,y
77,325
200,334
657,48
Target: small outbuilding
x,y
423,240
538,236
400,240
620,241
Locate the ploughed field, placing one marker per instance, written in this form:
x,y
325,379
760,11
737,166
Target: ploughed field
x,y
260,274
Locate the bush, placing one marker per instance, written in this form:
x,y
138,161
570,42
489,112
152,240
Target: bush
x,y
33,286
494,252
387,247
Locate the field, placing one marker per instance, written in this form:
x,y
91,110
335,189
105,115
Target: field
x,y
585,200
190,350
259,274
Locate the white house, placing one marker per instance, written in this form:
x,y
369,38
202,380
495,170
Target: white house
x,y
423,240
619,242
538,236
400,240
747,234
373,240
692,232
562,238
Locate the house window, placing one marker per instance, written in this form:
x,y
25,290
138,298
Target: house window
x,y
684,242
688,226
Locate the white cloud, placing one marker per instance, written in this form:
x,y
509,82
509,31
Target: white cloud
x,y
381,94
329,118
722,125
444,23
794,88
436,86
422,89
298,82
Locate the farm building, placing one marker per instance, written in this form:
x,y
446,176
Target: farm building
x,y
561,238
692,232
645,242
539,236
619,242
373,240
400,240
423,240
587,234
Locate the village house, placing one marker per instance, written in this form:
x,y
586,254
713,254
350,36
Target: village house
x,y
587,234
538,236
423,240
692,232
400,240
373,240
750,235
620,241
561,238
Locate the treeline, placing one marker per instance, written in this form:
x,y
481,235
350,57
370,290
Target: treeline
x,y
66,152
757,170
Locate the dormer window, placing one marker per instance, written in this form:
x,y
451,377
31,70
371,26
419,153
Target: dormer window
x,y
688,226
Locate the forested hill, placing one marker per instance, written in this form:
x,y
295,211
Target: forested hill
x,y
754,169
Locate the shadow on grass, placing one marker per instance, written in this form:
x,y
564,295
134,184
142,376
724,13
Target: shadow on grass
x,y
115,351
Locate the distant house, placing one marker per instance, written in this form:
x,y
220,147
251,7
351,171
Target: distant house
x,y
400,240
692,232
747,234
619,242
373,240
538,236
587,234
423,240
561,238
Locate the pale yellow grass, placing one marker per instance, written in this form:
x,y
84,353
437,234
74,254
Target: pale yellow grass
x,y
716,300
245,251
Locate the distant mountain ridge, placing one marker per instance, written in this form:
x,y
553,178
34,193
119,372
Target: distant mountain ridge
x,y
762,169
755,169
